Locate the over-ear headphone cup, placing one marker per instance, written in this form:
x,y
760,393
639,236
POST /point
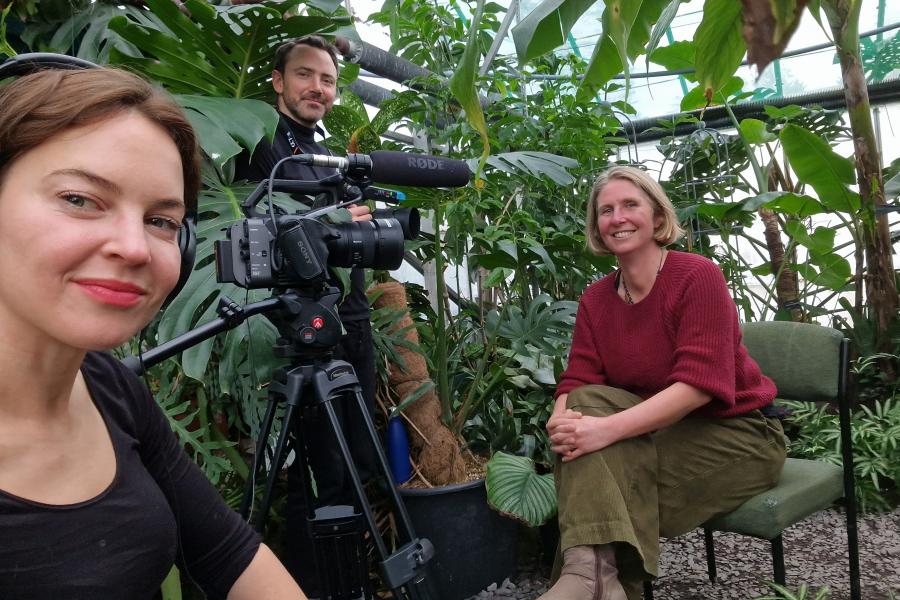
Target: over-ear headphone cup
x,y
187,245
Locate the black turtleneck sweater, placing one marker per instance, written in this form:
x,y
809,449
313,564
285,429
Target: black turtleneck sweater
x,y
293,138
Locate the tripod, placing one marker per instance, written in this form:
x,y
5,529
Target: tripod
x,y
310,327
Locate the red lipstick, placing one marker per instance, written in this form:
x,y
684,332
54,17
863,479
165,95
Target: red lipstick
x,y
112,292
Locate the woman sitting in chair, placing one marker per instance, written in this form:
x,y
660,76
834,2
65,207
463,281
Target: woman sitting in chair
x,y
657,421
97,499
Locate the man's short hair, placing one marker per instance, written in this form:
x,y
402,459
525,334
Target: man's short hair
x,y
313,41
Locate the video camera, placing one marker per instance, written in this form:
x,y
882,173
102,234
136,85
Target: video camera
x,y
276,248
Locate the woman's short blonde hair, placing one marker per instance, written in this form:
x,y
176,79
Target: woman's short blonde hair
x,y
665,234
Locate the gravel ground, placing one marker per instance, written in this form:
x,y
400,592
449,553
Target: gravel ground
x,y
815,553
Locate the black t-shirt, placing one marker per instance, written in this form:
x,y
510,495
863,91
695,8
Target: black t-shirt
x,y
159,509
293,138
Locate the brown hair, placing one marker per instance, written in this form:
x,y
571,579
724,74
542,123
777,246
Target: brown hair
x,y
313,41
35,107
665,234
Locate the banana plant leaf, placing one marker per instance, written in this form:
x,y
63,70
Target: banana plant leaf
x,y
719,45
516,490
547,26
462,85
818,165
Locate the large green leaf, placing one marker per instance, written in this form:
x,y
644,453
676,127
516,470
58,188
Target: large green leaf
x,y
86,33
821,240
754,132
217,51
719,45
626,30
790,203
675,57
462,85
699,97
642,25
547,26
214,141
605,64
818,165
544,326
515,489
537,164
659,30
618,19
247,121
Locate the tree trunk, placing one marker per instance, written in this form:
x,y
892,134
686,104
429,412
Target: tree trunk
x,y
787,286
881,287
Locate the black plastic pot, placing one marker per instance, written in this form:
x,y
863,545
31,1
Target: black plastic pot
x,y
474,546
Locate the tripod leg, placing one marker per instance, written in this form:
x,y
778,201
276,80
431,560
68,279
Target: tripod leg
x,y
275,467
354,476
397,501
258,459
417,588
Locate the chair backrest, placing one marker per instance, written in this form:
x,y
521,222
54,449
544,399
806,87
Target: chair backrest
x,y
807,362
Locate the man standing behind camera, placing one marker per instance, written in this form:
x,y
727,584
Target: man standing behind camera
x,y
304,76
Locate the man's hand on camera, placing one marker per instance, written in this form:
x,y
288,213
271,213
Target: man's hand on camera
x,y
360,212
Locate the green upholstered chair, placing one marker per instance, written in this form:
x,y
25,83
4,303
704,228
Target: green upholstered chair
x,y
807,363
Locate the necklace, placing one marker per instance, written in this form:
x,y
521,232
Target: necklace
x,y
628,298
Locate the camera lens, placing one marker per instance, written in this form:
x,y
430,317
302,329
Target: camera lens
x,y
408,217
375,244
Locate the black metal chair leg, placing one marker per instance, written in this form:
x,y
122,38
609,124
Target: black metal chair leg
x,y
853,551
710,554
648,590
778,559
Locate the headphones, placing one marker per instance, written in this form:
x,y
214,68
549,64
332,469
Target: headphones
x,y
23,64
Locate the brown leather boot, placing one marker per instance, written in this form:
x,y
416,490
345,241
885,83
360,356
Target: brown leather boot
x,y
588,573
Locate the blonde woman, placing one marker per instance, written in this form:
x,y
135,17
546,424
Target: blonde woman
x,y
658,422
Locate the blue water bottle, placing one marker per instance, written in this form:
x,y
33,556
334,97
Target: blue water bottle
x,y
398,450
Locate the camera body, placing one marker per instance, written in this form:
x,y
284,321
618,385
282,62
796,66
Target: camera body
x,y
276,249
299,250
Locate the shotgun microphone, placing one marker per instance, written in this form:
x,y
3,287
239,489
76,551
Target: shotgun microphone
x,y
396,168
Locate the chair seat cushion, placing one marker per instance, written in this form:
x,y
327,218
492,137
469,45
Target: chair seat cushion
x,y
804,487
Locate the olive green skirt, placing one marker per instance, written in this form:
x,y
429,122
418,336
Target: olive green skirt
x,y
661,484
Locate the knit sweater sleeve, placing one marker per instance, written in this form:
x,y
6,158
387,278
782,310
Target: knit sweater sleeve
x,y
705,333
585,366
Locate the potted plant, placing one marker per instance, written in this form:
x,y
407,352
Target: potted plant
x,y
498,403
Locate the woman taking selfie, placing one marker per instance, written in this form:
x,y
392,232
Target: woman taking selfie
x,y
657,422
97,499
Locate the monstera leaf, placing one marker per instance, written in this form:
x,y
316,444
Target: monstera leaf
x,y
219,208
217,51
545,325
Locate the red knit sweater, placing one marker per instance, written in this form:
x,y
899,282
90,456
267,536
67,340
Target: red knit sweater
x,y
686,330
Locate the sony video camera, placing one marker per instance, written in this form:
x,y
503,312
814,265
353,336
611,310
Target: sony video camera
x,y
275,248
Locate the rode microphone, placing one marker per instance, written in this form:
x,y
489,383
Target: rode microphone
x,y
396,168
